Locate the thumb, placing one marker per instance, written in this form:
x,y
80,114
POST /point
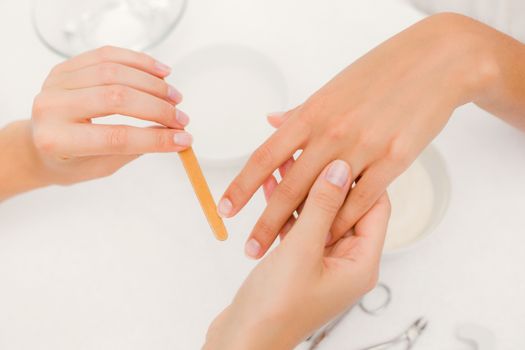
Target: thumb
x,y
324,201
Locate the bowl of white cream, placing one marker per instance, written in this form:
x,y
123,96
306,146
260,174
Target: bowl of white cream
x,y
419,199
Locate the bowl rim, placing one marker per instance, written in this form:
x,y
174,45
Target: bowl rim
x,y
438,214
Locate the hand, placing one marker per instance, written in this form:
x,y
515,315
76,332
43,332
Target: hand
x,y
378,115
95,84
301,285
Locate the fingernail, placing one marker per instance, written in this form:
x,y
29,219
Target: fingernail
x,y
328,238
182,118
174,94
183,139
252,248
338,173
162,68
225,207
279,114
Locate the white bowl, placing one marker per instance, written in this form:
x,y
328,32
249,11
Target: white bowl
x,y
228,91
420,199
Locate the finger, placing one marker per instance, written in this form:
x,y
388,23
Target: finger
x,y
102,101
268,157
138,60
268,187
371,186
284,201
276,119
324,201
111,73
283,170
286,166
372,228
83,140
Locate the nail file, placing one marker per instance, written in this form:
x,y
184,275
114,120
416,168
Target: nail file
x,y
202,191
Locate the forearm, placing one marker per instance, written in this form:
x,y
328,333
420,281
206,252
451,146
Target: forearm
x,y
20,169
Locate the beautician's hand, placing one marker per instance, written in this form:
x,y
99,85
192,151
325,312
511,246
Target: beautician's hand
x,y
301,284
378,115
95,84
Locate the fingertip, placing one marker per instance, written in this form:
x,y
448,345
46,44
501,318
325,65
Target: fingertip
x,y
183,139
174,95
182,118
252,248
162,69
275,119
225,208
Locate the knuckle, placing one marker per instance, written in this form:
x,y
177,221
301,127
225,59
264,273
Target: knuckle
x,y
167,113
263,157
325,201
163,140
399,152
41,105
105,52
115,96
44,140
264,231
145,59
342,223
56,69
337,133
237,190
288,191
362,198
366,140
315,105
117,138
108,72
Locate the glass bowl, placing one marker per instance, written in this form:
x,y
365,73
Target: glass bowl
x,y
69,27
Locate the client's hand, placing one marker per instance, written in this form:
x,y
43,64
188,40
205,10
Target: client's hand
x,y
378,115
301,284
95,84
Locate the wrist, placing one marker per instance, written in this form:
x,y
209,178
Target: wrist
x,y
473,68
21,169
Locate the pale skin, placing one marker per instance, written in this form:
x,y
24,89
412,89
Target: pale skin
x,y
302,284
61,144
375,117
378,115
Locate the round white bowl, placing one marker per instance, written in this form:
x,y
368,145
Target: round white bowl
x,y
435,166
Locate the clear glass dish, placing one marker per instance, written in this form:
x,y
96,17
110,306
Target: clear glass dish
x,y
69,27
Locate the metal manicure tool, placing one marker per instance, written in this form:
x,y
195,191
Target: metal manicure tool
x,y
407,338
386,298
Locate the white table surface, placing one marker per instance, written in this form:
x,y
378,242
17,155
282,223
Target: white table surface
x,y
129,263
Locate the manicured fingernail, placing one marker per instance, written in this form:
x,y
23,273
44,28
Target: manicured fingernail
x,y
182,118
174,94
183,139
328,238
162,68
252,248
225,207
338,173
